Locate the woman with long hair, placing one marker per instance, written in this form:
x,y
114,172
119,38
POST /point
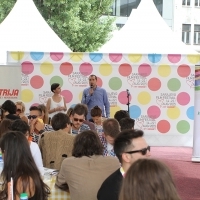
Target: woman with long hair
x,y
148,179
21,111
19,164
45,114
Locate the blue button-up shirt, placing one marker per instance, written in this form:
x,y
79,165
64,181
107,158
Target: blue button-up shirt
x,y
99,98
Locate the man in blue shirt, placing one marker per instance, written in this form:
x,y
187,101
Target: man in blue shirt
x,y
96,96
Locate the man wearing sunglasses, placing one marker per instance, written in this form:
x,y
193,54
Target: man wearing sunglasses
x,y
37,127
77,118
129,146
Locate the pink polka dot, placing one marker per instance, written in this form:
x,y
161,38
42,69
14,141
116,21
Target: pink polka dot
x,y
66,68
125,69
56,56
99,82
27,67
154,84
68,95
35,104
86,69
122,97
153,112
163,126
115,57
183,98
144,70
36,82
174,58
184,70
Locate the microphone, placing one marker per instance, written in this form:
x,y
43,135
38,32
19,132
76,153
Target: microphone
x,y
128,92
91,86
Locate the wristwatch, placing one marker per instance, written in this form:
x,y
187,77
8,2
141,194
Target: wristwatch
x,y
41,131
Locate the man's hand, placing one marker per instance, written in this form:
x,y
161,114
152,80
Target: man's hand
x,y
91,91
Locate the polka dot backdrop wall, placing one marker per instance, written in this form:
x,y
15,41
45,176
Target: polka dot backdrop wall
x,y
161,86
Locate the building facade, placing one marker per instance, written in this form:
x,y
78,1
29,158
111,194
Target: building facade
x,y
182,16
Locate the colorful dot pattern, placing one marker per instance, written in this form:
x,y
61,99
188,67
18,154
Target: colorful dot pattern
x,y
161,86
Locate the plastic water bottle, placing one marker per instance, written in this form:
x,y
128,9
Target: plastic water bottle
x,y
1,162
23,196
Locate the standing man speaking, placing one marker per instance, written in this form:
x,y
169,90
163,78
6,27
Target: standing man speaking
x,y
96,96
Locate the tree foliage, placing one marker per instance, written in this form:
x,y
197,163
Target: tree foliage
x,y
79,23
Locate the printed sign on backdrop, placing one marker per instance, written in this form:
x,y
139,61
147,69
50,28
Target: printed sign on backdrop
x,y
10,83
161,87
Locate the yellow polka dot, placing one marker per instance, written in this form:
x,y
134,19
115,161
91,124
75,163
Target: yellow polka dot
x,y
27,95
164,70
17,55
76,57
193,58
135,57
80,95
144,98
46,68
105,69
173,113
113,110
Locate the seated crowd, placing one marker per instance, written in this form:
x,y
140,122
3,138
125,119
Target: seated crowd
x,y
99,158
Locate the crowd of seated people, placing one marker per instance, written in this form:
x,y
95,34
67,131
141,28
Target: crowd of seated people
x,y
95,158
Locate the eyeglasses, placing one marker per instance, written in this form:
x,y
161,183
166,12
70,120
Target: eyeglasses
x,y
143,151
80,120
32,116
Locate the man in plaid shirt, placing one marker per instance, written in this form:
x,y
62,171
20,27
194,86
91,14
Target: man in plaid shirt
x,y
111,130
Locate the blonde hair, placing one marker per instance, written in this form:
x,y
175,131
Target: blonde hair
x,y
21,104
43,108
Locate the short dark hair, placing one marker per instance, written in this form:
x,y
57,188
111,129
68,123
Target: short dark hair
x,y
120,114
21,126
80,109
54,86
111,127
87,143
60,121
126,123
93,75
9,106
124,140
96,111
35,108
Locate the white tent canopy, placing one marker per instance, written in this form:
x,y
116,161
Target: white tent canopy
x,y
24,29
146,32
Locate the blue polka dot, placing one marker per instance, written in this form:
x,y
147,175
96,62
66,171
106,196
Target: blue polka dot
x,y
190,112
37,55
135,111
96,57
73,105
154,58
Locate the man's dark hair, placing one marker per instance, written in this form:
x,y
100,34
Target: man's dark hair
x,y
93,75
80,109
21,126
127,123
9,106
35,108
60,121
123,141
88,144
111,127
54,86
120,114
96,112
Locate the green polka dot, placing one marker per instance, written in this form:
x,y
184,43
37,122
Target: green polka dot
x,y
115,83
56,79
183,126
174,84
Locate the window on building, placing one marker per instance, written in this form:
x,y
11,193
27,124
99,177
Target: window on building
x,y
197,3
186,33
186,2
197,34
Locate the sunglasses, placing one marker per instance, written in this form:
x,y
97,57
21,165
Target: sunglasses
x,y
80,120
19,110
32,116
143,151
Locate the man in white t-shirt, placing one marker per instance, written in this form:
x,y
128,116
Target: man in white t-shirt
x,y
22,126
